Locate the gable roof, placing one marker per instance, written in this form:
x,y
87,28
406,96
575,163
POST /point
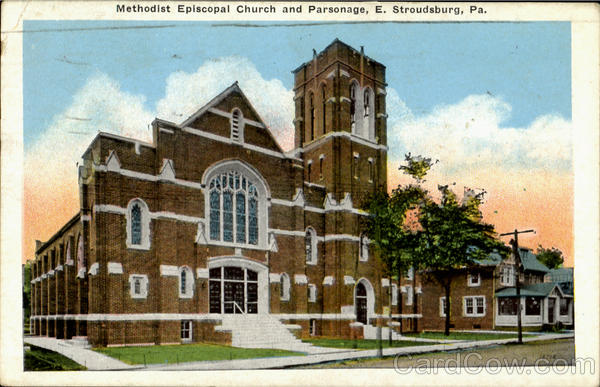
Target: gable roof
x,y
530,261
493,259
234,88
535,290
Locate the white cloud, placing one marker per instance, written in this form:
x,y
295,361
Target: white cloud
x,y
469,135
186,93
99,105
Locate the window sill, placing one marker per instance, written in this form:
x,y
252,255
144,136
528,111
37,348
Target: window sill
x,y
138,247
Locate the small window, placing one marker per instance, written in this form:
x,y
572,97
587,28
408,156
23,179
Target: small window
x,y
564,306
324,107
308,170
138,225
236,125
353,91
508,306
442,306
284,287
507,276
474,306
533,306
474,279
367,103
138,286
364,248
355,165
186,330
394,294
371,170
313,327
310,245
186,282
312,293
321,167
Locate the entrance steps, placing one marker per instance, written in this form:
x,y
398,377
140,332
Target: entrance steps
x,y
264,331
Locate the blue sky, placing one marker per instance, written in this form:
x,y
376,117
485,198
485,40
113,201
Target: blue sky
x,y
526,64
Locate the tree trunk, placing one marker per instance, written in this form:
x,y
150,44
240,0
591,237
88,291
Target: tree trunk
x,y
447,309
390,312
400,299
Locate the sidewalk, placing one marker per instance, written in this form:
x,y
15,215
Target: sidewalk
x,y
293,361
93,361
96,361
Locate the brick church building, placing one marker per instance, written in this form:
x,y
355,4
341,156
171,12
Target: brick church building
x,y
213,221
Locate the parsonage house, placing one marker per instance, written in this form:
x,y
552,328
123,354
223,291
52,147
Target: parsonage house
x,y
483,296
212,233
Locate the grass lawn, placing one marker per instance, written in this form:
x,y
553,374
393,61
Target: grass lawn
x,y
40,359
462,335
360,344
160,354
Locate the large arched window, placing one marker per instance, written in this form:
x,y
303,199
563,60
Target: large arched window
x,y
186,282
310,244
138,225
81,264
234,212
284,287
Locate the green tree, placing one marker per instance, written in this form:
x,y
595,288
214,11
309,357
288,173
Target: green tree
x,y
552,258
411,228
26,294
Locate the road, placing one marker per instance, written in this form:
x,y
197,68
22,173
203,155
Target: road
x,y
558,352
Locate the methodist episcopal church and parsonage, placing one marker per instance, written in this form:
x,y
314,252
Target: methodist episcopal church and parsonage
x,y
212,230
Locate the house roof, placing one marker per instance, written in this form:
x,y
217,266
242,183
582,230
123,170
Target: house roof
x,y
493,259
530,261
564,274
535,290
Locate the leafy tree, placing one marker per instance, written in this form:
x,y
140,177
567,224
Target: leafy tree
x,y
26,293
410,228
552,258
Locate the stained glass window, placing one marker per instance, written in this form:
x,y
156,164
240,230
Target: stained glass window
x,y
136,225
238,214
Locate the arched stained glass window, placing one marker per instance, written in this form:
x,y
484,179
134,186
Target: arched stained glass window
x,y
238,215
353,88
136,224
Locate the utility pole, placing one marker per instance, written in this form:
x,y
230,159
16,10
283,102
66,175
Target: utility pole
x,y
515,247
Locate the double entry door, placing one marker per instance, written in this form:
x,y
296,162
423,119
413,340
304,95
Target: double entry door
x,y
233,290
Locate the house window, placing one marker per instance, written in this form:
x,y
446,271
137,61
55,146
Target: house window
x,y
364,248
186,330
409,295
371,170
308,170
233,209
237,126
324,107
138,225
138,286
474,279
355,165
474,306
313,327
442,306
564,306
186,282
394,294
310,245
284,287
508,306
533,306
312,293
507,277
